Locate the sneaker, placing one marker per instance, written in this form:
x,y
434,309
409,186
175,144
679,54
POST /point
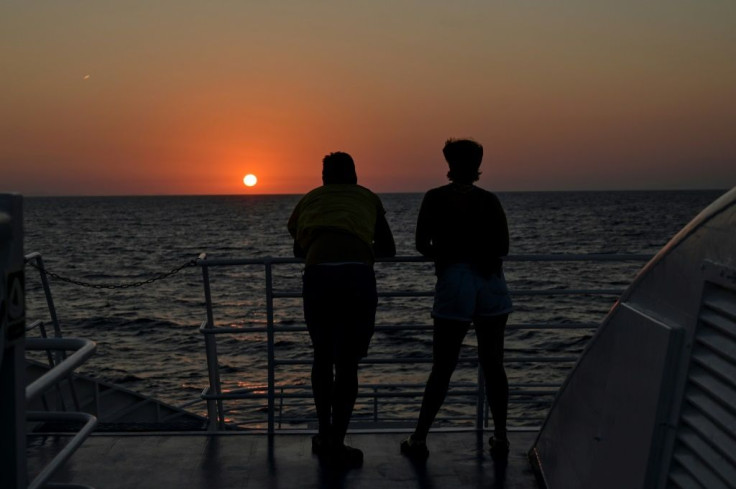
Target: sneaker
x,y
499,448
320,445
414,449
346,456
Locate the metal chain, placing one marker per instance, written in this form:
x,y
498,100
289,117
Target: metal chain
x,y
81,283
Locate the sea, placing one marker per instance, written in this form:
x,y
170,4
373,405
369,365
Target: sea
x,y
147,328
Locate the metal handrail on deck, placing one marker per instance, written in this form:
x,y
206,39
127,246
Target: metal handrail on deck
x,y
83,350
41,480
213,392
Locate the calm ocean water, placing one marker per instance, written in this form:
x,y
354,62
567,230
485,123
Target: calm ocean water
x,y
148,337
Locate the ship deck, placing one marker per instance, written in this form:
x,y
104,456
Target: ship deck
x,y
241,460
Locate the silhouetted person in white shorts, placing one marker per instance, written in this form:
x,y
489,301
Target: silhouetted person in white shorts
x,y
463,228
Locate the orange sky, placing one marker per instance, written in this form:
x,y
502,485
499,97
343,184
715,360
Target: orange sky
x,y
183,97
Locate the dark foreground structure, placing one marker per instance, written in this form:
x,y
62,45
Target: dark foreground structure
x,y
193,461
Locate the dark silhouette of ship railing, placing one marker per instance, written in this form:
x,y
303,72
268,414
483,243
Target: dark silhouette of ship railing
x,y
461,392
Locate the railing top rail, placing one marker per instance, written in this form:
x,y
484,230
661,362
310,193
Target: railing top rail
x,y
84,349
203,260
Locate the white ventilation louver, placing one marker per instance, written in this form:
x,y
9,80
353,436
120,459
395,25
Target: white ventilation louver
x,y
704,453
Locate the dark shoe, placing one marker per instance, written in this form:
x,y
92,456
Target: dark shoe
x,y
415,450
346,456
499,448
320,445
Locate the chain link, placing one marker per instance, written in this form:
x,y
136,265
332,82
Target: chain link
x,y
81,283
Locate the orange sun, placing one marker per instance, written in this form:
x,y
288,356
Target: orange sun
x,y
249,180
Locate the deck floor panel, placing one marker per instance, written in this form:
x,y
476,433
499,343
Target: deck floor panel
x,y
251,461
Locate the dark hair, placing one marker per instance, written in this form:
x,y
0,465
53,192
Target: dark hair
x,y
464,157
338,167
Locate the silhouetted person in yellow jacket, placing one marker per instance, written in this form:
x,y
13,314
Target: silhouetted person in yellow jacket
x,y
339,229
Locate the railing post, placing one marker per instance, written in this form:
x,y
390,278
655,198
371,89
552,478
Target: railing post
x,y
13,473
375,404
215,411
270,337
59,355
49,302
480,404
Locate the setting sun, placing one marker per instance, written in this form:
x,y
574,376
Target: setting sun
x,y
249,180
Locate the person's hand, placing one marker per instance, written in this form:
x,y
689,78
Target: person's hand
x,y
299,252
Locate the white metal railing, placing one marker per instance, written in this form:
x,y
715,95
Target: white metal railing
x,y
78,393
215,396
15,395
83,350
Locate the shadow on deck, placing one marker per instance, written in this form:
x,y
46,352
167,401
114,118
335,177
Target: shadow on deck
x,y
170,460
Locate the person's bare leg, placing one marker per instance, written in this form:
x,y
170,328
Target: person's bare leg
x,y
448,338
322,387
345,392
490,333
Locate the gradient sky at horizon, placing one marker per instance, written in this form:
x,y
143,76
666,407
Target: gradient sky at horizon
x,y
182,97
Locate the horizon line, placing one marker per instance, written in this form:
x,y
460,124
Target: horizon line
x,y
286,194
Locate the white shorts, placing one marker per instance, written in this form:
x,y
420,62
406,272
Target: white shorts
x,y
462,294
